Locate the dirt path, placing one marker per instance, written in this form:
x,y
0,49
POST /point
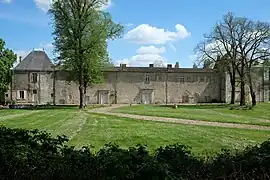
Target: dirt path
x,y
106,111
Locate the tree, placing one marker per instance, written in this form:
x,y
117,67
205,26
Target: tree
x,y
7,59
159,63
241,43
266,63
195,66
219,46
253,41
81,31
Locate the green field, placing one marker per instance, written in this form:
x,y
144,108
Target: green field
x,y
259,115
91,129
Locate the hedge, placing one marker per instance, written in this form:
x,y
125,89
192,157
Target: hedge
x,y
33,154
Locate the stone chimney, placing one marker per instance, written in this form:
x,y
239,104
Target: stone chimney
x,y
20,58
177,65
123,66
151,65
169,65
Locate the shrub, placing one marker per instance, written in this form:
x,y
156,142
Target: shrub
x,y
36,155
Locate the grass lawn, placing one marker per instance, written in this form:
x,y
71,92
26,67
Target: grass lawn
x,y
90,129
259,115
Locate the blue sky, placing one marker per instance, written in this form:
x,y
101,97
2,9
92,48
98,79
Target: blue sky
x,y
156,30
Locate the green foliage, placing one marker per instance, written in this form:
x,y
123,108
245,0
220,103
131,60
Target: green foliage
x,y
266,62
36,155
81,32
7,59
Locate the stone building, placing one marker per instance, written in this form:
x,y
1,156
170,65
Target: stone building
x,y
36,81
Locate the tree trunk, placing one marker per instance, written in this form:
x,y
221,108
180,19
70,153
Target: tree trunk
x,y
253,96
242,92
81,89
84,94
242,84
252,93
54,79
232,70
233,92
2,98
232,81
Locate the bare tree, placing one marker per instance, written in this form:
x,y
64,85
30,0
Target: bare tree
x,y
220,47
240,43
253,48
159,63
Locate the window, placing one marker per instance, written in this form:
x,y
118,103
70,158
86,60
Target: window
x,y
202,79
21,95
70,96
34,78
52,95
189,79
6,95
182,79
195,78
208,79
147,79
34,91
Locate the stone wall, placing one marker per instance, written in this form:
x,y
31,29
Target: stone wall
x,y
124,87
260,85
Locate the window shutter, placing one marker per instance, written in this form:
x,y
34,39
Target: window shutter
x,y
25,94
18,94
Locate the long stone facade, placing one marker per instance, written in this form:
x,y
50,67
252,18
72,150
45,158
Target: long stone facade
x,y
36,82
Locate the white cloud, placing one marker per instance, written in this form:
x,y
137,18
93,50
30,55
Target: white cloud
x,y
44,5
6,1
193,57
147,34
108,5
20,53
46,46
145,56
129,25
150,50
142,60
172,47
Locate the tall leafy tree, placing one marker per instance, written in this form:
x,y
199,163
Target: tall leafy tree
x,y
81,31
7,59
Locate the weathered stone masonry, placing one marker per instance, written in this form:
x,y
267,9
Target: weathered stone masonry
x,y
35,81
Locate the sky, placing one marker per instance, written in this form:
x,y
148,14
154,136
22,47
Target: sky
x,y
164,31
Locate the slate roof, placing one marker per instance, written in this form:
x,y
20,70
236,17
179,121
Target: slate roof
x,y
161,70
39,61
35,61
